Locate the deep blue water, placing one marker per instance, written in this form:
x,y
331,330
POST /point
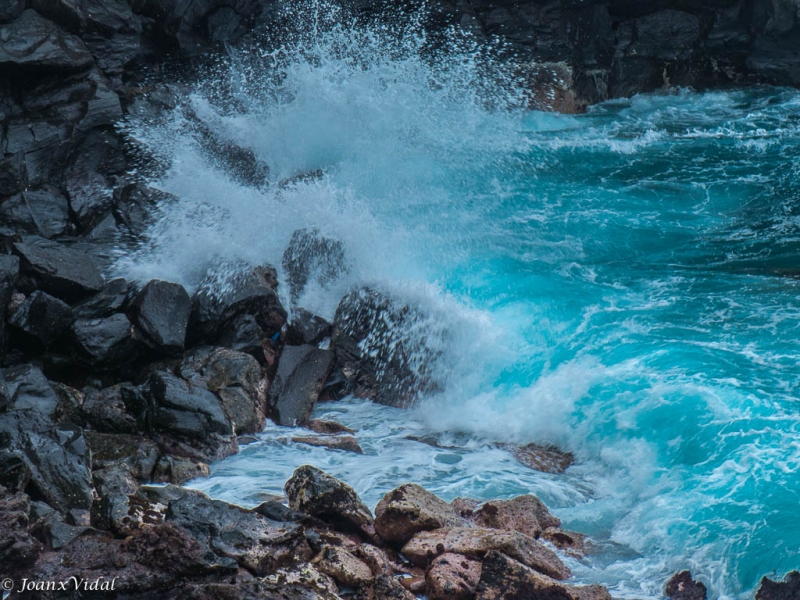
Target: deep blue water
x,y
621,283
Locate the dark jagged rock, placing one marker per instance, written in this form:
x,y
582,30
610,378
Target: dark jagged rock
x,y
33,42
189,420
252,540
56,455
311,256
318,494
307,328
378,350
383,587
409,509
236,379
135,453
503,578
171,469
9,272
105,343
26,388
452,577
243,333
123,514
112,410
251,293
110,300
788,589
58,270
302,371
42,317
134,206
89,176
427,545
342,566
681,586
18,548
526,514
161,313
44,212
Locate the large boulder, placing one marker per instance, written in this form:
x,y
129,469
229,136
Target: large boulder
x,y
216,306
26,388
161,313
56,456
427,545
35,43
42,317
112,299
189,419
57,269
44,212
409,509
788,589
302,371
252,540
526,514
681,586
452,577
379,345
105,343
503,578
311,256
237,380
318,494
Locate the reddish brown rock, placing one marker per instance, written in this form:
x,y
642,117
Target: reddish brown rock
x,y
18,548
306,575
383,587
681,586
375,558
414,584
464,506
453,577
788,589
333,442
342,566
503,578
409,509
327,427
526,514
547,459
427,545
570,543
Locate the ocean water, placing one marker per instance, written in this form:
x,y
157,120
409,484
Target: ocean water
x,y
623,284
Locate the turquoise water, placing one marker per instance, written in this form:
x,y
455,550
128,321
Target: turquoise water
x,y
620,283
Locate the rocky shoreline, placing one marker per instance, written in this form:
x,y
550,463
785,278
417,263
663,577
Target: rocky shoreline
x,y
108,385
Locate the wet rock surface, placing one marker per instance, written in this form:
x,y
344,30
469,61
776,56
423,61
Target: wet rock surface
x,y
302,371
409,509
681,586
161,313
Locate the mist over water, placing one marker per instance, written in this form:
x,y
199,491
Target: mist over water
x,y
618,283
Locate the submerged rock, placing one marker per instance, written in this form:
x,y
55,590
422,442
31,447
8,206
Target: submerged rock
x,y
409,509
547,459
503,578
681,586
425,546
334,442
316,493
302,371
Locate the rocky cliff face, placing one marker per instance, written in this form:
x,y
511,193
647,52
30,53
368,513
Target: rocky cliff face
x,y
593,50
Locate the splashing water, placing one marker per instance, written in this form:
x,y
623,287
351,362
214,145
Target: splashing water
x,y
617,283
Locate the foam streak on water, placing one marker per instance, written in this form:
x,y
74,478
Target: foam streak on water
x,y
614,283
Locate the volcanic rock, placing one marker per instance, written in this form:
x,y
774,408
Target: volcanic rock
x,y
570,543
427,545
137,454
311,256
18,548
316,493
526,514
161,313
44,212
681,586
452,577
112,409
26,388
106,342
409,509
547,459
58,270
333,442
503,578
377,349
307,328
302,371
343,567
33,42
42,317
172,469
788,589
383,587
327,427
